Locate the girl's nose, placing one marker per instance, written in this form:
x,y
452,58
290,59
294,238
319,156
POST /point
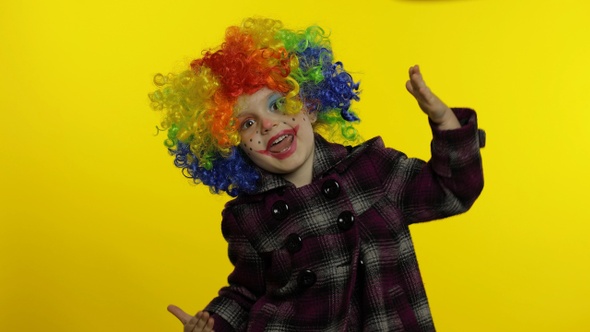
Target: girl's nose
x,y
268,124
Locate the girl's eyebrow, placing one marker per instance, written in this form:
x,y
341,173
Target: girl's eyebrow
x,y
274,96
278,94
240,110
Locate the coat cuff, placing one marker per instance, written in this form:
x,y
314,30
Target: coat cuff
x,y
227,315
220,324
456,147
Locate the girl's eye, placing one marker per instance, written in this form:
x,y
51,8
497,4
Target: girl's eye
x,y
247,124
276,103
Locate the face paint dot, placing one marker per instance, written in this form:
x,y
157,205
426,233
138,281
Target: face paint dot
x,y
250,140
250,149
258,142
293,119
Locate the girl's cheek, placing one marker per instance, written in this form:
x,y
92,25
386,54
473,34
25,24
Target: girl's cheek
x,y
244,144
247,149
251,143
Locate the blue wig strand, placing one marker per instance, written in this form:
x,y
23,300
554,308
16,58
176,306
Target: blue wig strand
x,y
231,174
334,88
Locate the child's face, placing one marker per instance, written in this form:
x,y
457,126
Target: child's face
x,y
276,142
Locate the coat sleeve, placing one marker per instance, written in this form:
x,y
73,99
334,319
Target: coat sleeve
x,y
446,185
231,309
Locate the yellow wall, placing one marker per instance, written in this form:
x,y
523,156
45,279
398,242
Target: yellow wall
x,y
99,232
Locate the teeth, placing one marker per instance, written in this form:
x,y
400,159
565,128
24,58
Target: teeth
x,y
279,140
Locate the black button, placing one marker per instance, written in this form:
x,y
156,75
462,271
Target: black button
x,y
306,279
294,243
280,210
331,188
481,137
345,220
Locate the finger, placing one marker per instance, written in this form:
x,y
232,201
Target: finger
x,y
417,70
419,88
409,87
210,324
191,325
182,316
417,80
414,69
209,327
207,322
201,322
203,317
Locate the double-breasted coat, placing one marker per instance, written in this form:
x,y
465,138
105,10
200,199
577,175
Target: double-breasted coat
x,y
336,255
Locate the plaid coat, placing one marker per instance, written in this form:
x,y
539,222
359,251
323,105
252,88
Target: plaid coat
x,y
336,255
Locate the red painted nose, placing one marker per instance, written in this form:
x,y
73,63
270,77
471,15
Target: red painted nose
x,y
268,123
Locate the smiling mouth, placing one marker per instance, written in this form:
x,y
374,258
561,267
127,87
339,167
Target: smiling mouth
x,y
280,144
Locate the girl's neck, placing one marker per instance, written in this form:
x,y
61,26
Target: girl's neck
x,y
303,175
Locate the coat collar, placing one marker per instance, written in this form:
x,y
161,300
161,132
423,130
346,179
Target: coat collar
x,y
326,155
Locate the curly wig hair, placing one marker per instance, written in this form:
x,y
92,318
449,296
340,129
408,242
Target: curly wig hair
x,y
198,104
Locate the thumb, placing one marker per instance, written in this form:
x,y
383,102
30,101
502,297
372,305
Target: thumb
x,y
182,316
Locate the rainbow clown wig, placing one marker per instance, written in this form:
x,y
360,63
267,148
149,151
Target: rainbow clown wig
x,y
198,104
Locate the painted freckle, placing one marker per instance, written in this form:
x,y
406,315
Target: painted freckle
x,y
293,119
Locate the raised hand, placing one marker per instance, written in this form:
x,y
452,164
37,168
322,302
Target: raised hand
x,y
201,322
430,104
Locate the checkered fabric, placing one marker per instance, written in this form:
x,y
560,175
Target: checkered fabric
x,y
336,255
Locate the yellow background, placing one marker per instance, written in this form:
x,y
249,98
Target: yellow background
x,y
99,232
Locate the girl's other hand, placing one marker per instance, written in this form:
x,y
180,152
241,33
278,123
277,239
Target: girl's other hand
x,y
201,322
430,104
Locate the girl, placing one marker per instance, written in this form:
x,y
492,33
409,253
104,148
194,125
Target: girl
x,y
318,231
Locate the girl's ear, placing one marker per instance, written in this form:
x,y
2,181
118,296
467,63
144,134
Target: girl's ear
x,y
313,116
